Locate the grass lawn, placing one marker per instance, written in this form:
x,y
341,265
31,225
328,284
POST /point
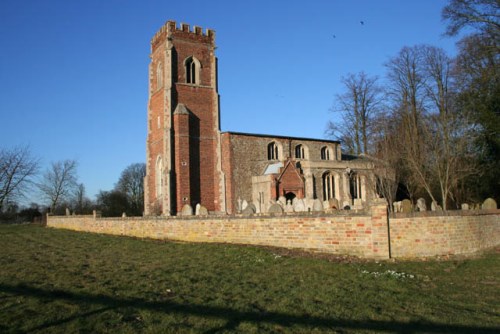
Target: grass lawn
x,y
56,281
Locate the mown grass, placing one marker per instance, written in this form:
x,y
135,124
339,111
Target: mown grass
x,y
56,281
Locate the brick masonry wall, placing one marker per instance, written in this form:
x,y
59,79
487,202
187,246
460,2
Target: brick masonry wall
x,y
342,233
454,232
363,235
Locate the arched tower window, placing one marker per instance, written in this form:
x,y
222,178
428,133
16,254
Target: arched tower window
x,y
300,152
325,153
192,67
159,76
272,151
328,186
159,177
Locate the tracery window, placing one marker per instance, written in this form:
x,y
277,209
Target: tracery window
x,y
299,152
328,186
192,67
325,153
272,151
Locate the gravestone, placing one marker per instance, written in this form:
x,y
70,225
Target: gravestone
x,y
67,212
397,206
275,208
282,201
187,210
244,205
435,206
250,209
489,204
465,206
406,206
421,206
333,203
317,205
239,209
124,215
298,205
289,206
197,209
202,211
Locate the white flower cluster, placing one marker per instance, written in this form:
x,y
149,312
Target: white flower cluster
x,y
388,273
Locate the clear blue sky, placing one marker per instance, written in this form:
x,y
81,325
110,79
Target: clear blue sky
x,y
73,74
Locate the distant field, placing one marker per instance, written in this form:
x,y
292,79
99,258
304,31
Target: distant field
x,y
56,281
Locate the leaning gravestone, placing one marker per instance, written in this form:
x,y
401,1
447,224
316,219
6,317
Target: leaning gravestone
x,y
421,206
275,208
489,204
406,206
250,209
187,210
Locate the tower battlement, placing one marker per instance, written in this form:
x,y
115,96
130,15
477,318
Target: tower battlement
x,y
170,28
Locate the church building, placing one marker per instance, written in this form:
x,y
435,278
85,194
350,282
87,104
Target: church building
x,y
190,161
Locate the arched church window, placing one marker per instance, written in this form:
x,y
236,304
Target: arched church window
x,y
355,185
159,177
192,67
299,152
325,153
328,186
272,151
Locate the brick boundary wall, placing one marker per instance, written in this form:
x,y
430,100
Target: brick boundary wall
x,y
423,234
346,233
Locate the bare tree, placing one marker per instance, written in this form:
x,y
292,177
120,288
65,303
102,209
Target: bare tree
x,y
482,15
59,182
406,91
81,203
131,183
17,169
358,106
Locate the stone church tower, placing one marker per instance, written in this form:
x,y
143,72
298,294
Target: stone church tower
x,y
183,142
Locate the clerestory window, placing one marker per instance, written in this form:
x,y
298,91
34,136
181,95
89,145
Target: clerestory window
x,y
272,151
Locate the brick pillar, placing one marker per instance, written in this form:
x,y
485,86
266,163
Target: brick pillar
x,y
182,158
379,228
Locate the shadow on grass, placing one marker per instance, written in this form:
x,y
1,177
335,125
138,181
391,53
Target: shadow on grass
x,y
233,317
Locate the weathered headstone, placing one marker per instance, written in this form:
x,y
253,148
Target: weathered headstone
x,y
244,205
197,209
239,209
187,210
397,206
201,210
489,204
275,208
317,205
465,206
298,205
435,206
250,209
406,206
421,206
333,203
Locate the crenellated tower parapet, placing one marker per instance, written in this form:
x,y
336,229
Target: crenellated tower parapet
x,y
183,30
